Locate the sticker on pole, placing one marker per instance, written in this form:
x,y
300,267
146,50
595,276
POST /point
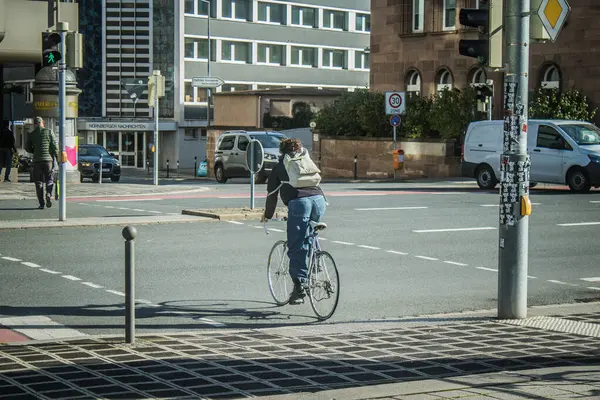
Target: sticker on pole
x,y
394,103
395,120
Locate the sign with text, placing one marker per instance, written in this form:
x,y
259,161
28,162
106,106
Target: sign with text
x,y
395,103
207,82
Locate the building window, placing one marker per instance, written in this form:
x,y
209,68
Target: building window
x,y
236,9
479,77
413,83
444,80
551,77
270,12
191,134
304,16
236,52
334,58
194,95
304,56
363,23
199,7
418,6
198,49
190,48
190,6
449,14
361,60
270,54
334,19
235,87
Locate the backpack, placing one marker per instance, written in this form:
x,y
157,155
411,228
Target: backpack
x,y
302,171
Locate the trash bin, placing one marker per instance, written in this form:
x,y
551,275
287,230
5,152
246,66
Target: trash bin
x,y
398,159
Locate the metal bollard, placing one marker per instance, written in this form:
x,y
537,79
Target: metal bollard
x,y
195,167
167,167
355,167
129,234
100,169
148,166
177,167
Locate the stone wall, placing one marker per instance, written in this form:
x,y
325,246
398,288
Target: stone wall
x,y
335,156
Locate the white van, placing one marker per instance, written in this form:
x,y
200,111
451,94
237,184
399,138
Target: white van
x,y
561,152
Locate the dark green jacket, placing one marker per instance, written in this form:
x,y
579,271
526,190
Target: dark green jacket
x,y
42,144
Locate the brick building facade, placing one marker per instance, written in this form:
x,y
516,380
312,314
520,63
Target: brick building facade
x,y
414,47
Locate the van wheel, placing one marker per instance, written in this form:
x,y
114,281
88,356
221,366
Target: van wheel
x,y
578,181
220,174
486,178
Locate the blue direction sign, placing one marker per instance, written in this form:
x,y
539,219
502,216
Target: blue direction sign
x,y
395,120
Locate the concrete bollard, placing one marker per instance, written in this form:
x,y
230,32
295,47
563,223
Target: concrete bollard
x,y
129,233
167,167
195,167
100,169
355,167
177,168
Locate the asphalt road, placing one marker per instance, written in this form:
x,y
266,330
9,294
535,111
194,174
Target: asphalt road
x,y
402,250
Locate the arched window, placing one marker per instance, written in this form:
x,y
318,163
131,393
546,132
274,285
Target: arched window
x,y
550,77
413,83
444,80
479,76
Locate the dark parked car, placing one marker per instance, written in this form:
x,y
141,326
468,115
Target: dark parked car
x,y
89,163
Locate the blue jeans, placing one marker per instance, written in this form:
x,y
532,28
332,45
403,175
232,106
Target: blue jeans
x,y
300,212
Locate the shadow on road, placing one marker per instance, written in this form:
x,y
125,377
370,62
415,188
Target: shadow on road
x,y
18,208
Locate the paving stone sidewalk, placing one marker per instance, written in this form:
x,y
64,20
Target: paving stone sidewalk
x,y
545,357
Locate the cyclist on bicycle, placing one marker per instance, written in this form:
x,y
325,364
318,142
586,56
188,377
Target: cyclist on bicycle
x,y
305,202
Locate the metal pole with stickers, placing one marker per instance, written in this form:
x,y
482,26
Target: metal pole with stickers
x,y
255,156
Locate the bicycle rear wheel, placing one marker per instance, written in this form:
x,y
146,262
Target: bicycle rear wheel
x,y
323,285
280,281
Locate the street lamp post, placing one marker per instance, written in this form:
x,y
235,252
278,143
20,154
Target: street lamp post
x,y
208,91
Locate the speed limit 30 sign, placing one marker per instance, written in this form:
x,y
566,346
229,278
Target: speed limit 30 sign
x,y
394,103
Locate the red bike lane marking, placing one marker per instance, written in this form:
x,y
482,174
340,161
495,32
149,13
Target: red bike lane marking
x,y
10,336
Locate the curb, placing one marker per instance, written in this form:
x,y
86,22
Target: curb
x,y
232,214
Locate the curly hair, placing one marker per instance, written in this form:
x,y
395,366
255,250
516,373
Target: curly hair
x,y
289,145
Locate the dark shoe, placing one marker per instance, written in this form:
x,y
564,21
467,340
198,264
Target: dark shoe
x,y
6,180
48,201
298,293
40,207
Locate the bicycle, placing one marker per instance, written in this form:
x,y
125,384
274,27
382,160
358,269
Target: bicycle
x,y
323,277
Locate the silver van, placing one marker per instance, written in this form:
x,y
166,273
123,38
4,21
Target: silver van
x,y
561,152
230,154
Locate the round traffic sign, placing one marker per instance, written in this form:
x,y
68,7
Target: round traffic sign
x,y
395,100
255,156
395,120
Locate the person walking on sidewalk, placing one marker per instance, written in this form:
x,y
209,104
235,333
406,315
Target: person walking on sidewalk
x,y
42,144
7,146
299,178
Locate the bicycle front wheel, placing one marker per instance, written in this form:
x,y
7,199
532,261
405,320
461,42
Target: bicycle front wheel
x,y
278,274
323,285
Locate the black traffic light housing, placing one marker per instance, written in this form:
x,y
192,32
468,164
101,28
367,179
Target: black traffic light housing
x,y
51,54
488,19
483,92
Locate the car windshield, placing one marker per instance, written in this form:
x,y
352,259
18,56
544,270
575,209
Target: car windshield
x,y
583,134
93,151
268,141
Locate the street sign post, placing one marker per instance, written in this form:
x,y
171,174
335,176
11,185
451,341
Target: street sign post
x,y
207,82
255,156
395,121
553,14
395,103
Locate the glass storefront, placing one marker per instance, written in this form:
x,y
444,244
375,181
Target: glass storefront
x,y
131,148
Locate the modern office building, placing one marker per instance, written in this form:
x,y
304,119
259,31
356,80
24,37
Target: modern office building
x,y
253,45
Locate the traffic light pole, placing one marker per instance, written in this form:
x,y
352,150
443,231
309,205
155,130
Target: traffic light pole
x,y
62,28
514,166
155,177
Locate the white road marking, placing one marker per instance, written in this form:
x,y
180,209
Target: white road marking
x,y
427,258
147,302
11,259
124,208
594,201
397,252
90,284
497,205
456,263
593,288
136,200
594,279
580,224
487,269
484,228
155,212
346,243
84,204
71,277
109,207
557,282
369,247
281,230
210,322
30,264
49,271
236,222
41,328
137,209
321,238
115,292
389,208
532,277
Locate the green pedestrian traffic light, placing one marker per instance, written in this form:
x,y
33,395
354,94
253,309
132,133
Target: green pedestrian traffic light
x,y
50,48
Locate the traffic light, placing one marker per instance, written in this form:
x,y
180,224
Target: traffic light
x,y
488,18
50,52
